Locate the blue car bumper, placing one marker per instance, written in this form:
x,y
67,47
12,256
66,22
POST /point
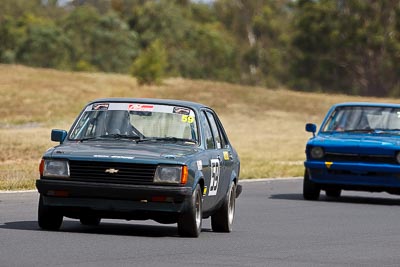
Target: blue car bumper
x,y
358,174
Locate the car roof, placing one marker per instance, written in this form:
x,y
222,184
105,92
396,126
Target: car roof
x,y
156,101
366,104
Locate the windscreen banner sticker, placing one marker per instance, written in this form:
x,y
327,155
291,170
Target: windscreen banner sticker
x,y
144,107
140,107
215,172
181,110
100,106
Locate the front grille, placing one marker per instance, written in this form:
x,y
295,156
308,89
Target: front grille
x,y
338,157
124,173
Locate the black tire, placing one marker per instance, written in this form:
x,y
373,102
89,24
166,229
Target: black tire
x,y
90,220
189,223
48,217
311,190
333,192
222,219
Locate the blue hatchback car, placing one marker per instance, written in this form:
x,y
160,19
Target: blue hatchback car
x,y
356,148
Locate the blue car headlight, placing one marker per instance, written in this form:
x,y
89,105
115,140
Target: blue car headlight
x,y
55,168
317,152
171,174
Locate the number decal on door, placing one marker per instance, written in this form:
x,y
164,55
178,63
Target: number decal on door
x,y
215,171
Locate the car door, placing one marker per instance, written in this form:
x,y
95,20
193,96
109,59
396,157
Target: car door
x,y
218,181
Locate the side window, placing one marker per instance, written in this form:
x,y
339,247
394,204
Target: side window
x,y
209,141
224,141
215,131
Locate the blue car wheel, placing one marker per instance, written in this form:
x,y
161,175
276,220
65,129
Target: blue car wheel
x,y
311,190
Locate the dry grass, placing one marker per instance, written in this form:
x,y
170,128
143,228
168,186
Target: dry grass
x,y
265,126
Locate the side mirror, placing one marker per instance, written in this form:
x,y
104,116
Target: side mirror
x,y
58,135
311,127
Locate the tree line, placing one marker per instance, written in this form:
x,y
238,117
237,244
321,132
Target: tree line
x,y
336,46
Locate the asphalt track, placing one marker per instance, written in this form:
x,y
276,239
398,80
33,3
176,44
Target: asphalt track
x,y
274,226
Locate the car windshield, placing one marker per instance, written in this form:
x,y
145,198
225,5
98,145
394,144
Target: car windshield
x,y
137,122
363,119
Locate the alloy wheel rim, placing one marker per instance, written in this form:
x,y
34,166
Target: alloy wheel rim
x,y
198,210
231,206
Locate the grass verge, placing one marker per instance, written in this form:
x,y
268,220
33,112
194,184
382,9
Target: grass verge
x,y
266,126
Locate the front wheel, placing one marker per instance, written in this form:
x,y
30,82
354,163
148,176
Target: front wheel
x,y
189,223
311,190
48,217
222,220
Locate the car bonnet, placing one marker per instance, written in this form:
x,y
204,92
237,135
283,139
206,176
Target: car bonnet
x,y
123,151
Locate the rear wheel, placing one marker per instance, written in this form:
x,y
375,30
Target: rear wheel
x,y
222,220
311,190
189,223
48,217
333,192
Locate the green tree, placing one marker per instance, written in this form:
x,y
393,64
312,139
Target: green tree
x,y
151,64
208,53
79,26
347,46
271,54
44,44
100,42
113,45
316,37
260,28
196,48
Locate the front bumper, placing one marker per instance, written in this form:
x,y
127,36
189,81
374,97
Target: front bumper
x,y
113,197
353,173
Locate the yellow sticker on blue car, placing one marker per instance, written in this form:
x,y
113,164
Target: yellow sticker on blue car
x,y
328,164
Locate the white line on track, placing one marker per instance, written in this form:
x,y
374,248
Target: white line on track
x,y
269,179
16,191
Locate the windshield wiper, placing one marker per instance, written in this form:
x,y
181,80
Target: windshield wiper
x,y
167,139
89,138
359,131
121,136
108,136
386,131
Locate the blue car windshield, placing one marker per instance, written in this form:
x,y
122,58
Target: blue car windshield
x,y
363,119
135,121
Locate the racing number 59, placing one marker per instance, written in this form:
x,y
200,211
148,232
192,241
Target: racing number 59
x,y
215,172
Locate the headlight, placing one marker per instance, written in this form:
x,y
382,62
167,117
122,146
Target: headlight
x,y
398,157
171,174
55,168
317,152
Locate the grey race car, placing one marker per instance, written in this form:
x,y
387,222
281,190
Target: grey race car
x,y
137,159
